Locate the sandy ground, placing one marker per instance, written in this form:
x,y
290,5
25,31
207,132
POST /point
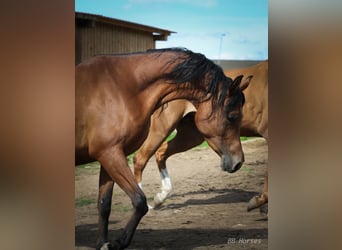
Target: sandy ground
x,y
207,208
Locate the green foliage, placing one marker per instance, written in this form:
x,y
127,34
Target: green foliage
x,y
89,168
121,208
247,169
84,202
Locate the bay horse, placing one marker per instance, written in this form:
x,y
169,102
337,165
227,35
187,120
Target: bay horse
x,y
115,98
179,115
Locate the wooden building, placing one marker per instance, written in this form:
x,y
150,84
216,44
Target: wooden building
x,y
236,64
96,34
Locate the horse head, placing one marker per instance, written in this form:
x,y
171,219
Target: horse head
x,y
221,126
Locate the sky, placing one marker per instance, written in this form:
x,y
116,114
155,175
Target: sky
x,y
219,29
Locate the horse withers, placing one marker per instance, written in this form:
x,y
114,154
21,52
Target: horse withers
x,y
115,97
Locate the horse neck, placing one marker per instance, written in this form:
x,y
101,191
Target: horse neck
x,y
162,92
155,90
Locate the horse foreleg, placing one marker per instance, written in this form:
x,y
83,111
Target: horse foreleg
x,y
259,200
115,164
104,203
186,138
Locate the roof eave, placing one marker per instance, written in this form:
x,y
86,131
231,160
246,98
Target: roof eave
x,y
159,34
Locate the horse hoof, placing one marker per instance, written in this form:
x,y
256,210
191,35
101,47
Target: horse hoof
x,y
157,205
157,200
106,246
109,246
252,204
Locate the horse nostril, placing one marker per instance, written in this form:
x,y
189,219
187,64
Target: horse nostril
x,y
227,164
237,166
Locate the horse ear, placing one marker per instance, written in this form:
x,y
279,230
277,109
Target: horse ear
x,y
237,81
245,83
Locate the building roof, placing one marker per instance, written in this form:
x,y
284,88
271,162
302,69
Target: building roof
x,y
158,34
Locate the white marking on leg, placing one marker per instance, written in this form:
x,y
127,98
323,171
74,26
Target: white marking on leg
x,y
166,180
166,188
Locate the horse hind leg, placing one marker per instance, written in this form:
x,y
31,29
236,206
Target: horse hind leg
x,y
166,185
121,174
149,147
161,126
186,138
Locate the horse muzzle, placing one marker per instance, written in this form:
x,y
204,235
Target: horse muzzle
x,y
229,165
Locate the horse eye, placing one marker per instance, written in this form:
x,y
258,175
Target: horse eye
x,y
232,118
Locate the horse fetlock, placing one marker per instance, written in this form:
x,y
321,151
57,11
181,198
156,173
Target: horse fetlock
x,y
140,204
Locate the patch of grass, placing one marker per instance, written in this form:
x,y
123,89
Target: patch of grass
x,y
121,208
203,145
171,136
247,169
130,158
126,208
89,168
84,202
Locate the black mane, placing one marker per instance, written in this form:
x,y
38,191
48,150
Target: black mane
x,y
202,73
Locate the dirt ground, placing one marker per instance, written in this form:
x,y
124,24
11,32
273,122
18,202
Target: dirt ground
x,y
207,208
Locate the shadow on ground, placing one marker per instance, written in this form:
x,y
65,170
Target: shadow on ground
x,y
171,238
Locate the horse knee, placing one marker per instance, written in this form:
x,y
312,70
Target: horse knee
x,y
140,204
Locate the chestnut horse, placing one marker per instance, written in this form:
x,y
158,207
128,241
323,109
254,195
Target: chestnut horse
x,y
115,98
179,115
